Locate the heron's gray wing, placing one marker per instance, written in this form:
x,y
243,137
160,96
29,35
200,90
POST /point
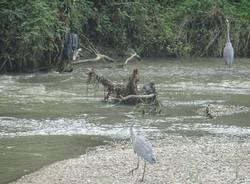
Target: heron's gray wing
x,y
228,53
144,148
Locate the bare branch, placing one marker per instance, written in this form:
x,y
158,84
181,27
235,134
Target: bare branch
x,y
131,57
3,64
137,96
97,58
92,47
106,57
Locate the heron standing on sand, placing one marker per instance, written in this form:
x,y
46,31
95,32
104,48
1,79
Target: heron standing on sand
x,y
143,148
228,53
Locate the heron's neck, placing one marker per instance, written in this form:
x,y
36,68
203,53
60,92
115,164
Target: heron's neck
x,y
132,135
228,36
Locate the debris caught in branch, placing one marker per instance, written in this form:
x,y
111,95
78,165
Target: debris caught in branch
x,y
127,93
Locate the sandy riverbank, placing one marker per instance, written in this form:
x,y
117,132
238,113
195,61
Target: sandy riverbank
x,y
208,160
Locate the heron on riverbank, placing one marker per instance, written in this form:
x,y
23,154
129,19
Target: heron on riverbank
x,y
228,53
143,148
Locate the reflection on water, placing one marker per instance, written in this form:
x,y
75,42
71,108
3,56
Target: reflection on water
x,y
44,117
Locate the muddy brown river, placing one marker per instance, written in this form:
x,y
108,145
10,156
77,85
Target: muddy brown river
x,y
48,117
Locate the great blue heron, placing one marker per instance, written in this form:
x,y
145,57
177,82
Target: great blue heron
x,y
228,53
149,88
143,148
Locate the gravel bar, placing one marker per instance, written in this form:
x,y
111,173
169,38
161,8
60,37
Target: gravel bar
x,y
180,160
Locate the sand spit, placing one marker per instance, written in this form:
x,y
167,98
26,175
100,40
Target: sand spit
x,y
208,160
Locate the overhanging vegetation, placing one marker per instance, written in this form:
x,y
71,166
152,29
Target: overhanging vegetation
x,y
32,32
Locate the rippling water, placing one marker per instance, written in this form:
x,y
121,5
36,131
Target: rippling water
x,y
37,108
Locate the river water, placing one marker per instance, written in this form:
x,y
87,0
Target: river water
x,y
48,117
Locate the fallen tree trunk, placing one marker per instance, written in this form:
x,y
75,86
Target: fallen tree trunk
x,y
127,93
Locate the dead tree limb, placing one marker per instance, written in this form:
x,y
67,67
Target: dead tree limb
x,y
137,96
142,98
123,93
2,66
6,60
93,49
132,55
97,58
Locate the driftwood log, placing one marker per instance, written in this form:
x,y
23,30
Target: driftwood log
x,y
127,93
132,54
93,49
99,56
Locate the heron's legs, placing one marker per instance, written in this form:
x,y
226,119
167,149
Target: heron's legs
x,y
144,171
137,166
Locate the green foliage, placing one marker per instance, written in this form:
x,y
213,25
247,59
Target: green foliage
x,y
202,26
173,28
143,26
28,28
32,31
80,11
204,29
